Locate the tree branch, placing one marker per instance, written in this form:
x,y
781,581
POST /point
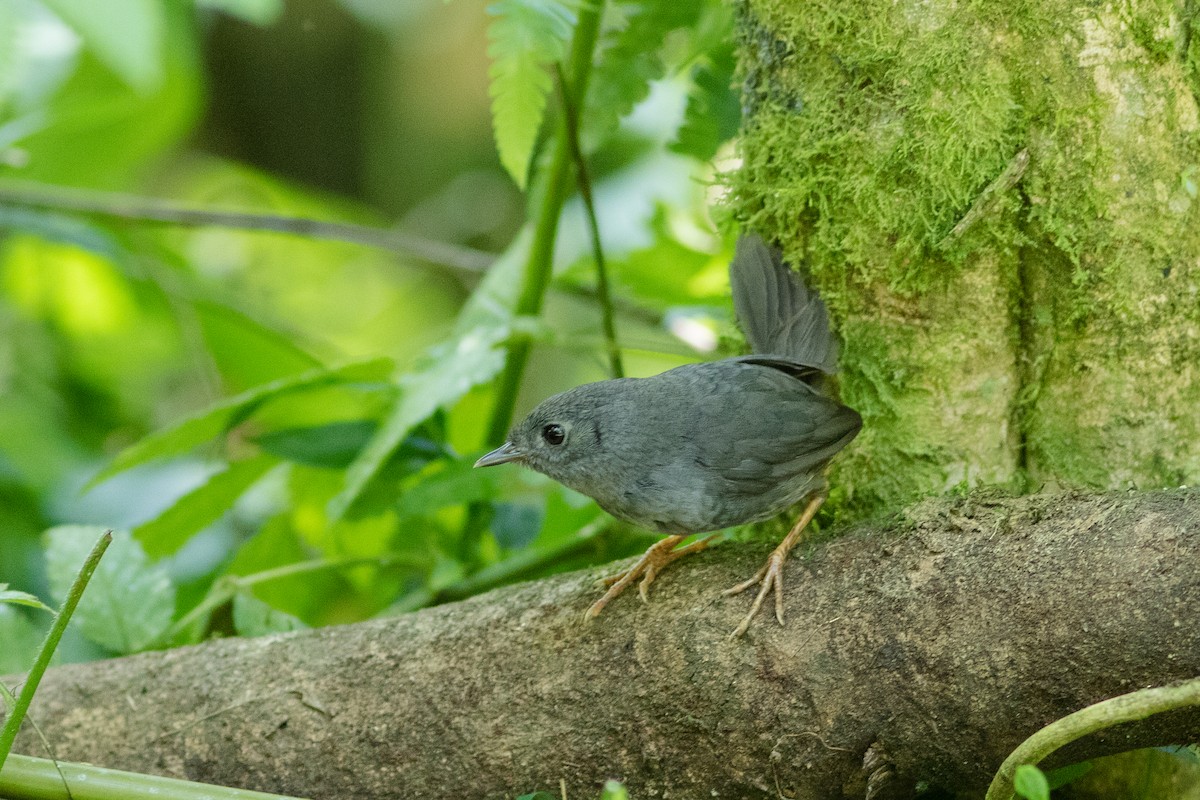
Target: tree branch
x,y
944,637
145,210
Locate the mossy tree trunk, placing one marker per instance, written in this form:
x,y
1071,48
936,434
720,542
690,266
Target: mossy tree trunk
x,y
1056,339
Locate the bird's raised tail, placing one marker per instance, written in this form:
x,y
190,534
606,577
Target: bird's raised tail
x,y
778,313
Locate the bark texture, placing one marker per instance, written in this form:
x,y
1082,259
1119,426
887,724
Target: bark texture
x,y
945,636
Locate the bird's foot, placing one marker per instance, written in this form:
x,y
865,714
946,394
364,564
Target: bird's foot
x,y
770,577
647,568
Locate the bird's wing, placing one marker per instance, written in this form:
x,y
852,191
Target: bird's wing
x,y
779,315
768,427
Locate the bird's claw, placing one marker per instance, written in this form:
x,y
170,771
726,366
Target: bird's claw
x,y
648,567
769,578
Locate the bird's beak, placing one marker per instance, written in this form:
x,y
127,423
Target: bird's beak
x,y
501,455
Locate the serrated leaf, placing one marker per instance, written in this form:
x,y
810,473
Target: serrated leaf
x,y
201,507
129,602
1029,782
630,58
253,617
221,417
524,39
19,598
126,35
21,641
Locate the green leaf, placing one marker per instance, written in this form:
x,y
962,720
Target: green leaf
x,y
127,35
129,602
10,24
1029,782
201,507
125,129
21,599
630,57
450,371
614,791
516,525
257,12
21,641
457,483
473,356
220,418
332,446
1057,778
246,352
524,39
713,109
253,617
309,595
537,796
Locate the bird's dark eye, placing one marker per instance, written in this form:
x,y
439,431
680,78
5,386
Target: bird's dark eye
x,y
554,434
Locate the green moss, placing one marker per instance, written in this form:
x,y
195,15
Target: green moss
x,y
1059,336
872,153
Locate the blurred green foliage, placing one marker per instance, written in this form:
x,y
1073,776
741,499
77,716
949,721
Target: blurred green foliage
x,y
281,428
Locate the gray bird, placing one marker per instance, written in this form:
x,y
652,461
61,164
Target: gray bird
x,y
705,446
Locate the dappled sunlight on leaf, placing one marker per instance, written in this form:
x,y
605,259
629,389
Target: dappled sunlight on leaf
x,y
75,288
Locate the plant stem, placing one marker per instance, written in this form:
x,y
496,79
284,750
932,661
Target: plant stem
x,y
584,182
9,733
554,195
23,194
227,587
527,562
540,263
1105,714
27,778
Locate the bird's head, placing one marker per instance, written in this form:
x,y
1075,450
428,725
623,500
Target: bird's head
x,y
560,438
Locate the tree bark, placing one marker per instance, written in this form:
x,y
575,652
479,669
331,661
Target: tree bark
x,y
945,637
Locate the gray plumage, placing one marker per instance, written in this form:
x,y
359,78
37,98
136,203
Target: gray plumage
x,y
704,446
776,311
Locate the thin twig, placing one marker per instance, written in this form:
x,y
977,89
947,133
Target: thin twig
x,y
1097,717
159,212
584,182
524,565
988,198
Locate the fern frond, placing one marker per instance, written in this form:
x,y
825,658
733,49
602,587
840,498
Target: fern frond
x,y
526,37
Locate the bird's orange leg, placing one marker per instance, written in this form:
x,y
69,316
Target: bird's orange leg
x,y
771,575
647,567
